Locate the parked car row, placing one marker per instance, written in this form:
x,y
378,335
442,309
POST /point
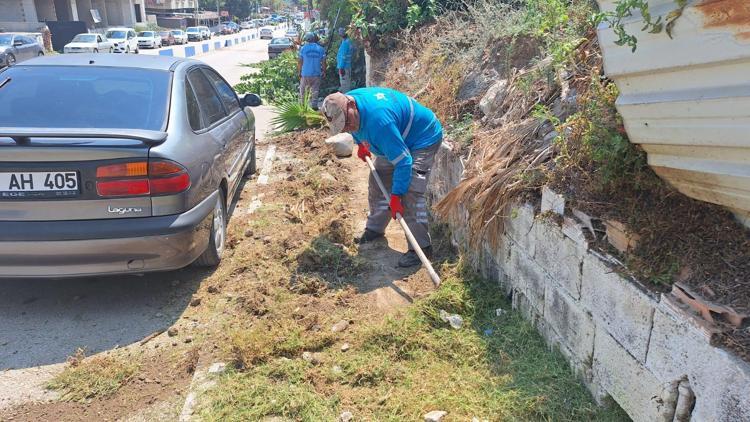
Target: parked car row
x,y
15,48
95,190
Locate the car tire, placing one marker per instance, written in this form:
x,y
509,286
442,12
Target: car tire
x,y
111,50
96,50
252,165
127,50
136,50
217,237
10,60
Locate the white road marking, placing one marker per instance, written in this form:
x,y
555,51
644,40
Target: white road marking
x,y
265,171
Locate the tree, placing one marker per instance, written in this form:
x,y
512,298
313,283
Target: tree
x,y
240,8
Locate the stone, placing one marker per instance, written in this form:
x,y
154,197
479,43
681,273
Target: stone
x,y
249,233
627,381
619,236
340,326
327,177
336,370
519,225
494,97
573,325
528,276
213,289
174,283
342,144
552,201
267,239
315,358
345,347
559,256
475,84
172,331
195,302
719,380
346,416
435,416
617,304
217,368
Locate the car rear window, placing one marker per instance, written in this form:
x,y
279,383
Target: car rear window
x,y
84,97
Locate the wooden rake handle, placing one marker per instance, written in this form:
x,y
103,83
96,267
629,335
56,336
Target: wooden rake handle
x,y
412,241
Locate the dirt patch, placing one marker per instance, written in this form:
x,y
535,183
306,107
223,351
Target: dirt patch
x,y
157,381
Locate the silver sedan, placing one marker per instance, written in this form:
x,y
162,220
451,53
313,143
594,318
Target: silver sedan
x,y
16,48
118,164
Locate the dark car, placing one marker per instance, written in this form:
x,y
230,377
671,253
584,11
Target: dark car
x,y
279,45
16,48
133,172
166,38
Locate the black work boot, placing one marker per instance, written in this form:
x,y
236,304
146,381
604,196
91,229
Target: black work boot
x,y
369,236
411,258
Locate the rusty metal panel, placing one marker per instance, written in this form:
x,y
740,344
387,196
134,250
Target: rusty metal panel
x,y
686,99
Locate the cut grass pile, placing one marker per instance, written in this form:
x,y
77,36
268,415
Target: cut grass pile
x,y
404,365
84,379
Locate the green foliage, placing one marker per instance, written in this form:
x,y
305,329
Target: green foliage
x,y
86,379
292,115
625,8
275,80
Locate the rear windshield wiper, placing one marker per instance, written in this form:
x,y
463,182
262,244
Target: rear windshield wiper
x,y
4,82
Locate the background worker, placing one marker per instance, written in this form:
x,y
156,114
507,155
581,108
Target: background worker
x,y
404,136
344,62
312,67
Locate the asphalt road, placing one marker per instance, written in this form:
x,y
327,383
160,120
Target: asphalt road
x,y
43,322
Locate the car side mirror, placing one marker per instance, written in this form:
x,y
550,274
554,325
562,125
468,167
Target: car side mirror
x,y
251,100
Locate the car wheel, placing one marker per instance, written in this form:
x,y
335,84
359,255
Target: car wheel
x,y
217,238
136,50
10,60
96,50
41,53
252,166
111,50
127,50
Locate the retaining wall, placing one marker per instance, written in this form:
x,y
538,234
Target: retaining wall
x,y
642,350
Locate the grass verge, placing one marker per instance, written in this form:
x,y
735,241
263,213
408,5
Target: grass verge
x,y
85,379
404,365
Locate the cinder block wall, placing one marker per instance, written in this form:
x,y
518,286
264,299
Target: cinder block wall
x,y
638,348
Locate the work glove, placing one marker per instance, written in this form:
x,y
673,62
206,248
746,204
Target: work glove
x,y
342,72
396,207
363,152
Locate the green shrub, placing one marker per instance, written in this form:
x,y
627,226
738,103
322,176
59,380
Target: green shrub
x,y
275,80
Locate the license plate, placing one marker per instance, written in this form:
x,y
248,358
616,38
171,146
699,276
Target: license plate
x,y
40,184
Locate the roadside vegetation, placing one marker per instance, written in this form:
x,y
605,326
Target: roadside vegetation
x,y
85,379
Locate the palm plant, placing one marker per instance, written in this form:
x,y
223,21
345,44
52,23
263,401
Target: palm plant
x,y
292,114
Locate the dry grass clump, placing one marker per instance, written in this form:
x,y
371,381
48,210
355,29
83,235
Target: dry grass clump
x,y
84,378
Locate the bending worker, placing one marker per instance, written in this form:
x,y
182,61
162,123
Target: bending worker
x,y
344,62
311,66
404,136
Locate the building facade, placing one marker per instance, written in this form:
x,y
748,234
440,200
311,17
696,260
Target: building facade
x,y
31,15
171,7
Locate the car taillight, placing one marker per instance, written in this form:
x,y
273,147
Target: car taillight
x,y
140,178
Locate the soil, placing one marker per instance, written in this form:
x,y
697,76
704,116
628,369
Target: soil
x,y
159,381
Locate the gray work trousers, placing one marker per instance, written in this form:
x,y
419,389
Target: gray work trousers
x,y
311,84
414,202
345,82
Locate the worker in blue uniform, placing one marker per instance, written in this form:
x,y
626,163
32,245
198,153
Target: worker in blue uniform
x,y
404,136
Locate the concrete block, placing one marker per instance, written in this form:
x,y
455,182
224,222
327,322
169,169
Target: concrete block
x,y
529,277
574,326
559,256
719,380
522,304
617,305
617,374
552,201
581,368
519,225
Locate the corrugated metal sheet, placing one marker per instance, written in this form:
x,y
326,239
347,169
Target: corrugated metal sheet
x,y
686,100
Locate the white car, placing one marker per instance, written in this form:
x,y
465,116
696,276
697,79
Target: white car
x,y
149,39
246,25
266,33
89,43
180,37
206,32
123,40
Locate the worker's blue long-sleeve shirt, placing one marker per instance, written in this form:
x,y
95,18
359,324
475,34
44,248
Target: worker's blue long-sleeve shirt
x,y
344,56
394,125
